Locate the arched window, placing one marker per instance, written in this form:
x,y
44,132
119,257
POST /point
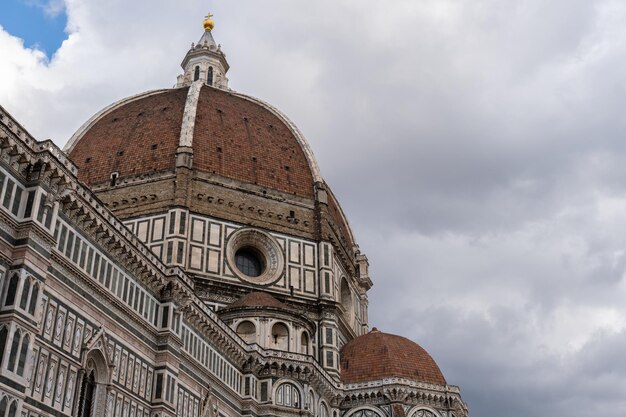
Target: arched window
x,y
25,290
311,402
14,348
209,76
3,341
23,352
33,300
280,337
87,394
304,343
13,409
11,290
196,73
247,331
288,395
93,393
323,410
3,406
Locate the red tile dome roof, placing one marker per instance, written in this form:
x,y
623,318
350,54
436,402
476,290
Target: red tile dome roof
x,y
258,299
120,138
377,355
234,136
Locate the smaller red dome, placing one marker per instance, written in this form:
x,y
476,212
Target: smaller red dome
x,y
258,299
377,355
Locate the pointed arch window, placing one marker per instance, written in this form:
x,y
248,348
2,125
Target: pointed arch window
x,y
3,341
15,345
196,73
92,397
33,300
209,76
25,290
323,410
13,409
21,363
88,392
12,289
3,406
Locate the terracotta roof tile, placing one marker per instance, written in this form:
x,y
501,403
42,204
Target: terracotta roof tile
x,y
239,139
258,299
138,137
233,137
378,355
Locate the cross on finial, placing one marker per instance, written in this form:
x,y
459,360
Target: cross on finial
x,y
208,22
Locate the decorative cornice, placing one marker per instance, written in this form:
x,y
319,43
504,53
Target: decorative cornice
x,y
399,390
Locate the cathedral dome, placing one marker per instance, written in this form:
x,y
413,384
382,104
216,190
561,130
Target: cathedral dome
x,y
200,148
230,135
377,355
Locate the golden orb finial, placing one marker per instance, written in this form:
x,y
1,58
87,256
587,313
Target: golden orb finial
x,y
208,23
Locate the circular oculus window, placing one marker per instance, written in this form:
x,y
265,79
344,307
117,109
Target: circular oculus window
x,y
249,262
254,256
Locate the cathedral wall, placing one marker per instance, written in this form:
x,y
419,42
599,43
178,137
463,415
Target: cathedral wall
x,y
69,307
199,244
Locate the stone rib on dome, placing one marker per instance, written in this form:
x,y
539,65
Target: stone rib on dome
x,y
377,355
340,219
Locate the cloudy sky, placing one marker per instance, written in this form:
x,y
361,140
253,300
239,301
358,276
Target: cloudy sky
x,y
476,146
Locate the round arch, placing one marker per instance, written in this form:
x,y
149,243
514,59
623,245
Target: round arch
x,y
288,393
279,336
247,331
422,411
365,411
304,342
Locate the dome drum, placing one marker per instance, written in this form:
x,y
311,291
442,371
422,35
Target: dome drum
x,y
277,325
